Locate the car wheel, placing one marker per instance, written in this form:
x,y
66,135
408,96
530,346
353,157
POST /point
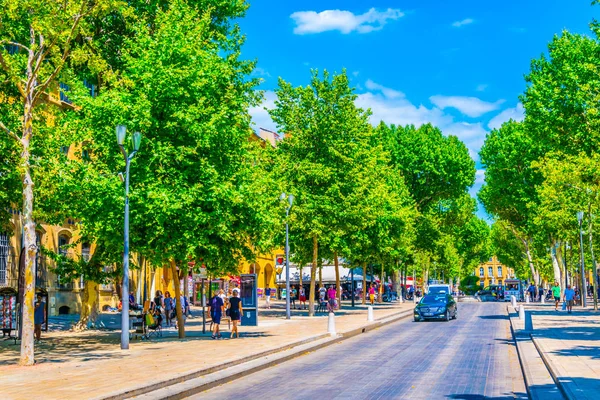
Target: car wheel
x,y
455,314
417,319
448,316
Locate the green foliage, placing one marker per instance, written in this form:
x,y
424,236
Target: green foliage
x,y
469,284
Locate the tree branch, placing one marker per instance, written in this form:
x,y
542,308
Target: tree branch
x,y
14,44
42,88
10,133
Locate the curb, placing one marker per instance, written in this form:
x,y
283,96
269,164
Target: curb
x,y
303,346
520,340
566,393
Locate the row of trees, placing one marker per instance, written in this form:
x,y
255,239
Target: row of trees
x,y
544,170
201,191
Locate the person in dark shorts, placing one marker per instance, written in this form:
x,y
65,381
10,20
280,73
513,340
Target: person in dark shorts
x,y
556,294
39,316
235,312
216,312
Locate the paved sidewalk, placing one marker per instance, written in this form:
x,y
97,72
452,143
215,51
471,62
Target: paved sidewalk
x,y
569,345
90,364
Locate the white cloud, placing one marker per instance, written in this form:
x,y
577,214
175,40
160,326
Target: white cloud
x,y
470,106
387,92
482,87
258,71
308,22
517,114
260,116
466,21
393,107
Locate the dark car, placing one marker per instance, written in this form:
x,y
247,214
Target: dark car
x,y
436,306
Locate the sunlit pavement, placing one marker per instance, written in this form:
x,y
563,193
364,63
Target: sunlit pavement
x,y
469,358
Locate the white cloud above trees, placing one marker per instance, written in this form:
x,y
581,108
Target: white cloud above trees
x,y
310,22
469,106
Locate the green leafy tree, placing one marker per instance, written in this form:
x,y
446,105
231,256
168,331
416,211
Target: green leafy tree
x,y
38,39
320,162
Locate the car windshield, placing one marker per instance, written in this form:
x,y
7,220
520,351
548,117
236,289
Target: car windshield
x,y
434,299
438,289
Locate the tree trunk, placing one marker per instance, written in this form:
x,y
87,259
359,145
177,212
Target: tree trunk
x,y
338,286
29,242
89,306
555,264
594,268
364,289
534,272
313,272
178,308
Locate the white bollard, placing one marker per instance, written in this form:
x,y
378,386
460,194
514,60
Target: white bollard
x,y
527,299
522,313
331,324
370,314
543,299
513,300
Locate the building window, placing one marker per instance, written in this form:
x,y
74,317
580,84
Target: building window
x,y
481,283
85,252
64,88
4,253
499,272
40,263
491,259
480,271
490,271
500,282
64,150
63,242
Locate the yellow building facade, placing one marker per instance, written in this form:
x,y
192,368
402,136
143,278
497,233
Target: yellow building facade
x,y
493,272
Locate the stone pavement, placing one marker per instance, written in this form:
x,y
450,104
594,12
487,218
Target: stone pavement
x,y
470,358
568,345
91,364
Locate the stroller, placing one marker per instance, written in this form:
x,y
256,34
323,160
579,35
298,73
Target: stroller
x,y
154,324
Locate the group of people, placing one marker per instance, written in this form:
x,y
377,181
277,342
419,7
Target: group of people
x,y
230,306
568,296
167,305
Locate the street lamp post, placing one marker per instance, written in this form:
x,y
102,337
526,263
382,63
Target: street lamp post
x,y
136,140
582,290
288,313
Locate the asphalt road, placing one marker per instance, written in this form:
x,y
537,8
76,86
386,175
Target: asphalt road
x,y
469,358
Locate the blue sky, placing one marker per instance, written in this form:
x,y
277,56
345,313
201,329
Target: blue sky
x,y
456,64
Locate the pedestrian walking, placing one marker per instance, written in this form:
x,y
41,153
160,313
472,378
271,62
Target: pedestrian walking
x,y
235,312
268,296
322,294
531,291
39,316
169,307
215,309
158,304
331,295
372,294
302,298
556,294
293,295
569,298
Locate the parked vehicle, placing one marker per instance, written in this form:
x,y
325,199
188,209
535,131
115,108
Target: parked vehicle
x,y
389,296
438,306
513,287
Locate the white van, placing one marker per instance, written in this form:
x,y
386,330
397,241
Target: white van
x,y
512,287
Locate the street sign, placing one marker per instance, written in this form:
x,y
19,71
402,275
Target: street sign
x,y
201,274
